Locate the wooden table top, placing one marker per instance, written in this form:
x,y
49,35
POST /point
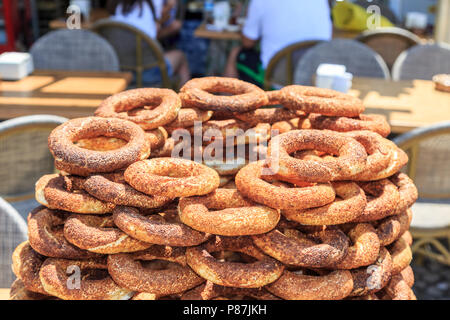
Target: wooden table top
x,y
406,104
4,294
69,94
202,32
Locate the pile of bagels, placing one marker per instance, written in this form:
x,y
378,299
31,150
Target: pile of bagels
x,y
321,212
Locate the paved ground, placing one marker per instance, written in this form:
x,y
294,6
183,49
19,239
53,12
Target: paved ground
x,y
432,281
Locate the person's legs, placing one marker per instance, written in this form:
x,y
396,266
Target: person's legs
x,y
230,69
179,64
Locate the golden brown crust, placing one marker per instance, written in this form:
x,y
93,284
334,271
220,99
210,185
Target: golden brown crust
x,y
200,93
53,191
157,137
234,215
45,234
172,178
19,292
211,291
233,274
318,249
407,189
365,248
392,228
54,278
165,150
266,115
372,122
379,152
250,183
156,229
75,160
350,160
348,207
323,101
291,286
26,264
408,275
371,279
401,255
147,107
187,118
113,188
382,200
128,272
398,289
99,234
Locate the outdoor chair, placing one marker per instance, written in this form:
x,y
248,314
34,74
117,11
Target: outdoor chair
x,y
428,149
422,62
13,231
280,70
74,50
359,59
389,43
25,157
136,51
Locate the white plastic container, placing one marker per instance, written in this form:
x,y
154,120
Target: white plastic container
x,y
333,76
15,65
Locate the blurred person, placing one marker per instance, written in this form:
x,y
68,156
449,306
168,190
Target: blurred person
x,y
145,15
270,26
170,25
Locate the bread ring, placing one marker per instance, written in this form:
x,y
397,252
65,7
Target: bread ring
x,y
407,236
98,234
26,264
172,178
442,82
371,279
20,292
314,250
157,138
348,209
75,160
200,93
233,274
266,115
233,216
398,159
350,161
289,125
101,143
52,192
372,122
45,234
407,189
365,248
323,101
401,255
379,153
398,289
56,282
156,229
113,188
249,182
408,275
165,150
210,291
150,108
187,118
226,167
127,271
382,200
291,286
393,227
